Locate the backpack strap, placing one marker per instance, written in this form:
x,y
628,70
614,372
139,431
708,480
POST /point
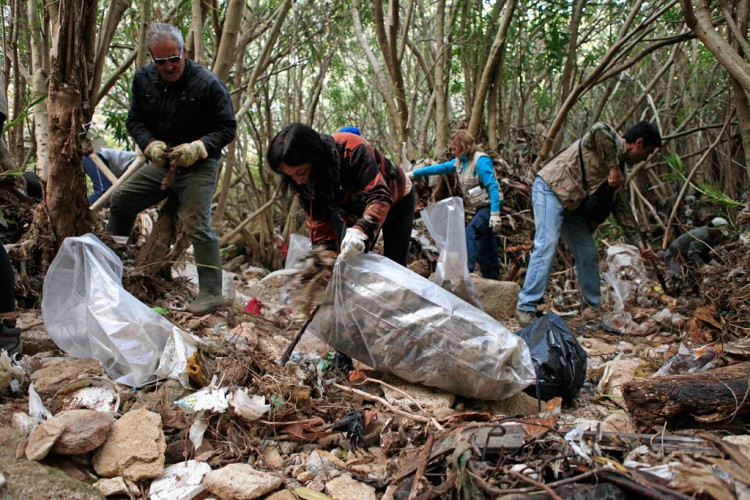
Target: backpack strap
x,y
580,162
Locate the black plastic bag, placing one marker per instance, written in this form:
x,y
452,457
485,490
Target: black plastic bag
x,y
559,360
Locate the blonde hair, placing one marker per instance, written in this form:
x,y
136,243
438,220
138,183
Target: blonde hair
x,y
465,141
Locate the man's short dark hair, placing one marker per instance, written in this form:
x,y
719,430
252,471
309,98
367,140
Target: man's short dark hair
x,y
646,131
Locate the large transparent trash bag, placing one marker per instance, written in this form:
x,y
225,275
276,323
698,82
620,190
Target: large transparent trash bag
x,y
88,313
445,220
392,319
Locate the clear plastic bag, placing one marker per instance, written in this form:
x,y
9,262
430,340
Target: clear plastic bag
x,y
445,221
299,246
88,313
394,320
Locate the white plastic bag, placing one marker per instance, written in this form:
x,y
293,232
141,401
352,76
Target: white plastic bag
x,y
394,320
88,313
445,221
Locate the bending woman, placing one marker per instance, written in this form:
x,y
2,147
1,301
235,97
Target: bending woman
x,y
344,175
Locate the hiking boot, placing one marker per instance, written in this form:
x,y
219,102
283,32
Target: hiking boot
x,y
525,318
10,338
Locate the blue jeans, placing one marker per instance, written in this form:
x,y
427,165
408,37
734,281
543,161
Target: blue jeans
x,y
552,220
194,187
481,245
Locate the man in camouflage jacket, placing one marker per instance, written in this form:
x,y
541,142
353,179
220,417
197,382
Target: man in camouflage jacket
x,y
558,191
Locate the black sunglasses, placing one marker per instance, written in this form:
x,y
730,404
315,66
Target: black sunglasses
x,y
163,60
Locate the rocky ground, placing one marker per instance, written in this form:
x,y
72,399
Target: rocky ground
x,y
305,429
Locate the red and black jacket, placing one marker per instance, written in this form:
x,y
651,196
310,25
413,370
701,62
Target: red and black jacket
x,y
368,184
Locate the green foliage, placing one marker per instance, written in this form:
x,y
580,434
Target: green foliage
x,y
713,193
114,121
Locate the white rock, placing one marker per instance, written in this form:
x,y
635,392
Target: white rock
x,y
240,482
346,488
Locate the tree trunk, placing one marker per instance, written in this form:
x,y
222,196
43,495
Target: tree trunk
x,y
196,28
709,397
66,196
441,70
142,50
493,60
39,87
158,254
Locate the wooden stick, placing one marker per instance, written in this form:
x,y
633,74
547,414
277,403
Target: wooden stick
x,y
287,354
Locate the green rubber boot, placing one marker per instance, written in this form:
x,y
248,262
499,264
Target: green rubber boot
x,y
208,262
10,338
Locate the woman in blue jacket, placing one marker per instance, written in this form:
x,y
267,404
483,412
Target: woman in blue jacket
x,y
481,194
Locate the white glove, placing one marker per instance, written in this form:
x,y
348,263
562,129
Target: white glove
x,y
410,175
155,151
495,222
353,243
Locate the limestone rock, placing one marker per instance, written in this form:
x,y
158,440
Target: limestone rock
x,y
272,457
498,298
23,423
241,482
42,439
115,486
50,379
283,495
346,488
619,422
85,430
519,404
135,448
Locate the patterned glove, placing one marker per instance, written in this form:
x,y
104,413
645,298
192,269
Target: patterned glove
x,y
353,243
155,152
495,222
187,154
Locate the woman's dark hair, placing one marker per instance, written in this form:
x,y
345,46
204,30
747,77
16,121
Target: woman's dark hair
x,y
296,144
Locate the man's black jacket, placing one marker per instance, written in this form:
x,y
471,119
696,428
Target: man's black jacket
x,y
197,106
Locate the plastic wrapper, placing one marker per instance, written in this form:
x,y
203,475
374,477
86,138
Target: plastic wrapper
x,y
392,319
445,222
559,359
88,313
691,361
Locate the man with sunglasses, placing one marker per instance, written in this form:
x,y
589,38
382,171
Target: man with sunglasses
x,y
180,116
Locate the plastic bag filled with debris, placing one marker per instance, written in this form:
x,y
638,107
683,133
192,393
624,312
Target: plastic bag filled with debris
x,y
625,274
299,246
445,222
559,359
88,313
394,320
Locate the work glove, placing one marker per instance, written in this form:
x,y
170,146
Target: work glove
x,y
495,222
155,151
353,243
186,154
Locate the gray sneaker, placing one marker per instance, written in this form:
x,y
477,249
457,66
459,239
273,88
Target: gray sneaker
x,y
525,317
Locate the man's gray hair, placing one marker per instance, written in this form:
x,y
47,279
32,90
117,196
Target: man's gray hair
x,y
159,32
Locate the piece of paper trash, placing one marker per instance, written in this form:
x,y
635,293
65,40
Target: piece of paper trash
x,y
209,398
249,407
36,407
173,362
181,481
575,439
197,430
